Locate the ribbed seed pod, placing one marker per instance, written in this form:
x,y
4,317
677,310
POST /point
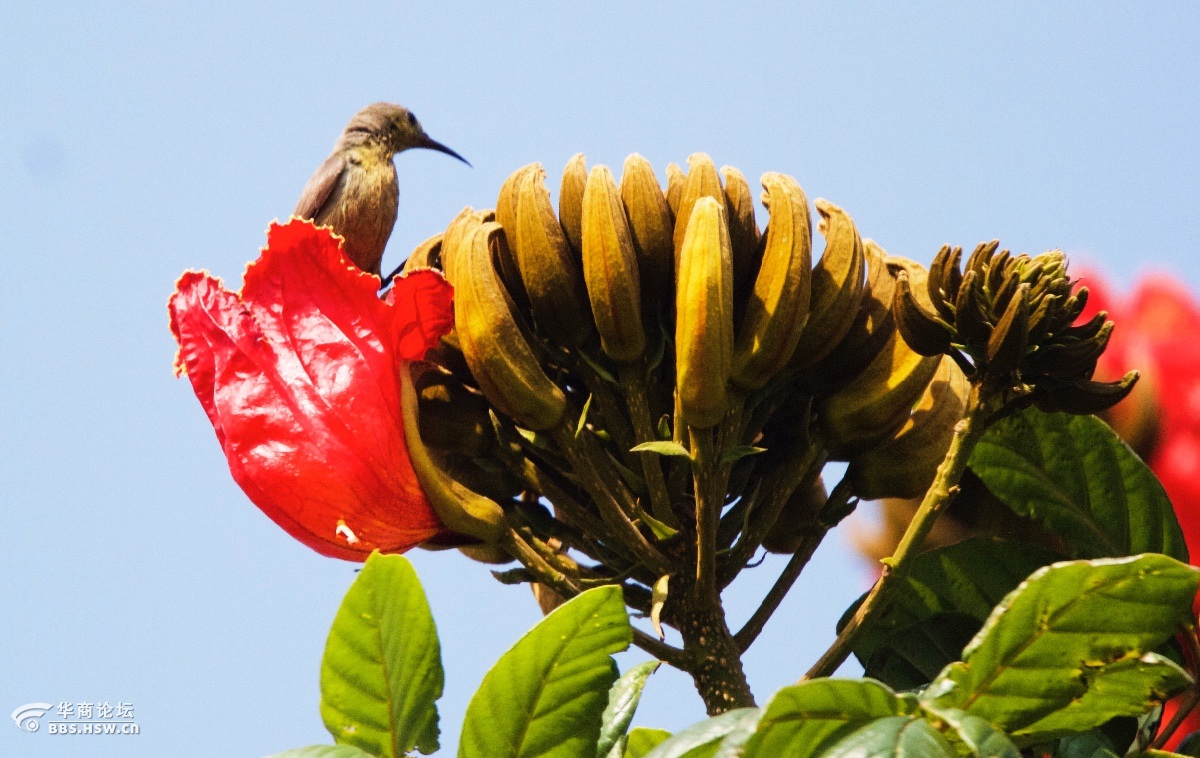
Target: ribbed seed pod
x,y
549,271
650,227
570,201
675,181
501,360
702,181
704,318
610,268
872,327
744,236
905,464
428,254
778,310
878,400
837,286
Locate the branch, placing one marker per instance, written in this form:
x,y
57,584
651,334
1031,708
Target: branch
x,y
945,486
834,511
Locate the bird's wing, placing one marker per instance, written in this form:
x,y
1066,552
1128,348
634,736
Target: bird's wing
x,y
320,187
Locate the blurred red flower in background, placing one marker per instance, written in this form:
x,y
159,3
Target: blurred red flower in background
x,y
1158,333
299,374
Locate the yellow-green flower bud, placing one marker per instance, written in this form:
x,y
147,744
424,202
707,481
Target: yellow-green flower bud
x,y
570,201
650,226
702,181
837,286
675,181
428,254
549,271
704,316
497,352
905,464
878,400
744,236
610,268
778,309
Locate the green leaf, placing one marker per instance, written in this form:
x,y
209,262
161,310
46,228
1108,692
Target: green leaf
x,y
1076,476
547,694
1087,745
1047,645
642,740
973,736
704,739
662,447
623,701
940,605
323,751
579,427
898,736
807,718
1127,687
738,452
381,674
661,530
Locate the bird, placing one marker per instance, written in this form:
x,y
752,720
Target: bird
x,y
355,190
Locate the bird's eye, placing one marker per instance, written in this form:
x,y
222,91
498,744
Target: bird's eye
x,y
412,120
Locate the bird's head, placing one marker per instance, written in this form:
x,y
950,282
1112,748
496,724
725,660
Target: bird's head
x,y
395,127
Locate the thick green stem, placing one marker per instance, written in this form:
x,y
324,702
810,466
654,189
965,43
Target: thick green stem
x,y
945,485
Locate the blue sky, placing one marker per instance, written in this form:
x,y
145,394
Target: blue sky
x,y
140,139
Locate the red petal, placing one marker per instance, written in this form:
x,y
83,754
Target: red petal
x,y
300,379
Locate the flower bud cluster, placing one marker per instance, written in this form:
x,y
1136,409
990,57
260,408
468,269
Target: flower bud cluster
x,y
1010,322
616,357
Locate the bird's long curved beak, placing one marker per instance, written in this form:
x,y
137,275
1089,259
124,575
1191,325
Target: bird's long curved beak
x,y
431,144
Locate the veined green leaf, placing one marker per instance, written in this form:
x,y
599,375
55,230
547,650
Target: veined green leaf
x,y
971,735
1127,687
623,701
940,606
642,740
1047,646
738,452
806,719
381,674
662,447
1077,477
547,694
1086,745
894,737
704,739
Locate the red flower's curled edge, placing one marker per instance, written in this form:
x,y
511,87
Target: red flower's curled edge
x,y
299,374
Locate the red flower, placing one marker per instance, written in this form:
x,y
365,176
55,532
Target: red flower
x,y
1155,333
299,374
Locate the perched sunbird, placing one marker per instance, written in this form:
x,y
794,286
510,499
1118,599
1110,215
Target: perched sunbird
x,y
355,189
